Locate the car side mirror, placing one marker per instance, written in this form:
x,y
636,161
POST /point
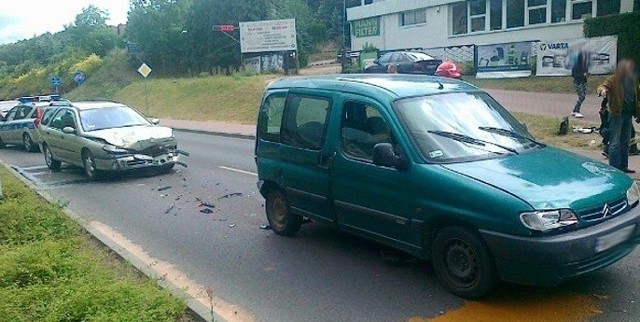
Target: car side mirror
x,y
68,130
384,155
155,121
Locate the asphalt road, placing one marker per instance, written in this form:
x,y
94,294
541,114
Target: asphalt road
x,y
319,275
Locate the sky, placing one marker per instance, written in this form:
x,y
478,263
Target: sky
x,y
21,19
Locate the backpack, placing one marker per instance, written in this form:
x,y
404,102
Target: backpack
x,y
564,126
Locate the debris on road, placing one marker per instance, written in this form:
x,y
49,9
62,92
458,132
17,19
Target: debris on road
x,y
232,225
601,297
265,227
164,188
166,212
206,211
230,195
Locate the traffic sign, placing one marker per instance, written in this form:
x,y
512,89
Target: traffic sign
x,y
56,81
144,70
79,77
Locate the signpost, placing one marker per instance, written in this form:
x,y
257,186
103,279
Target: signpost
x,y
79,77
145,70
56,82
268,36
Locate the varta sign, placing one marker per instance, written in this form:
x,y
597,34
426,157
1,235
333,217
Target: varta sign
x,y
554,46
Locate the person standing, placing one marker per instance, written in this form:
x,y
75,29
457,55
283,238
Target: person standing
x,y
579,72
622,90
392,69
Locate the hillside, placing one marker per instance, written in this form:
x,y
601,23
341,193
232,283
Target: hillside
x,y
115,73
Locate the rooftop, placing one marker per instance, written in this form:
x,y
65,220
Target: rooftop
x,y
393,85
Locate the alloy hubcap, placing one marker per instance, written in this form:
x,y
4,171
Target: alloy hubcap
x,y
88,165
27,142
47,156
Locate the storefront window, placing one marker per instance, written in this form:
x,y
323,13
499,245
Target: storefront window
x,y
581,9
558,10
537,11
495,14
515,13
609,7
459,18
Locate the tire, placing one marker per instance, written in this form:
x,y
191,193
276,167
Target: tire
x,y
463,263
89,163
28,144
282,221
52,163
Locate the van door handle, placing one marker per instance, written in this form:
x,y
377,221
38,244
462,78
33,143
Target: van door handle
x,y
326,160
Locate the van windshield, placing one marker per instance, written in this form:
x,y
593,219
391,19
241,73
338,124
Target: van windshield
x,y
458,127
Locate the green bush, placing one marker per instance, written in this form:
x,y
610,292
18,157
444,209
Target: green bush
x,y
625,26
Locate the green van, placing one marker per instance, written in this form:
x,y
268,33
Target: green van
x,y
438,169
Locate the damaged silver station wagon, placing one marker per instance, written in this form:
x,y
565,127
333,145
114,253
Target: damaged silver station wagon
x,y
106,136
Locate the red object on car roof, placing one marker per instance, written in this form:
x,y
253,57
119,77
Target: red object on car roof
x,y
448,69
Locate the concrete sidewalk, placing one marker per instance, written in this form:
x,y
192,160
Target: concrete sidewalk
x,y
212,127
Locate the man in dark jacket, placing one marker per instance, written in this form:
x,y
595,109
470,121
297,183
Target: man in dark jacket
x,y
622,90
579,72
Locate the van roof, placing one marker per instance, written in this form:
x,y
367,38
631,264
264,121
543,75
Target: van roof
x,y
392,85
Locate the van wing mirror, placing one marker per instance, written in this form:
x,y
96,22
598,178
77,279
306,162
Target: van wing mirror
x,y
384,155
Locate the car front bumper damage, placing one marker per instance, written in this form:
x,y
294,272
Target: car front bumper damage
x,y
551,260
133,161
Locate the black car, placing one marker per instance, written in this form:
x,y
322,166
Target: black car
x,y
408,62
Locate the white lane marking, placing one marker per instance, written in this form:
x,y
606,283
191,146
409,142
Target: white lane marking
x,y
237,170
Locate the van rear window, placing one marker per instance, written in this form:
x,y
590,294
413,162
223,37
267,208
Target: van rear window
x,y
271,117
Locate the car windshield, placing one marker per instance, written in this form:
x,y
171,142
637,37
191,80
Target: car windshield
x,y
420,56
458,127
109,118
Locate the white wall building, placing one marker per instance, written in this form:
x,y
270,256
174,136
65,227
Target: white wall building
x,y
399,24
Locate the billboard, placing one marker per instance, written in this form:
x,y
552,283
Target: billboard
x,y
556,58
268,35
366,27
504,60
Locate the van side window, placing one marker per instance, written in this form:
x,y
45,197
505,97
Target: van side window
x,y
305,121
362,128
271,114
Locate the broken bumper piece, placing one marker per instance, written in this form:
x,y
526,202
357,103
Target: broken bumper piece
x,y
138,161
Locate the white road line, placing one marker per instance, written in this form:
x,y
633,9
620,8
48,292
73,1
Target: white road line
x,y
238,170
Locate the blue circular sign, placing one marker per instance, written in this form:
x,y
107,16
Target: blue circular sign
x,y
79,77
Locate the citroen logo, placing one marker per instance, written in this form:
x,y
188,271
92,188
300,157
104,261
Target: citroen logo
x,y
606,211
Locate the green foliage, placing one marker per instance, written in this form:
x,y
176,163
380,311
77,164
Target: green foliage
x,y
114,73
369,48
626,26
50,271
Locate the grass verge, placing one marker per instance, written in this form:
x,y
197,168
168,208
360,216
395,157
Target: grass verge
x,y
545,129
536,84
50,270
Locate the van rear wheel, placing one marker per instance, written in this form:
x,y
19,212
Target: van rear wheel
x,y
463,263
282,221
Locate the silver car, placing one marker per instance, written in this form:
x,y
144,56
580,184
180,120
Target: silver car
x,y
106,136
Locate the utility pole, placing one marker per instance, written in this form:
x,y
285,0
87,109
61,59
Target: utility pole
x,y
344,34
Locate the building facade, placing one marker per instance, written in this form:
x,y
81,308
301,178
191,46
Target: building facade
x,y
400,24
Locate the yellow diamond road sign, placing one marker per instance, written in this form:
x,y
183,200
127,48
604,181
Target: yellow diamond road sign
x,y
144,70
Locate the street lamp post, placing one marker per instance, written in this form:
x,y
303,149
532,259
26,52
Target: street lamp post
x,y
344,34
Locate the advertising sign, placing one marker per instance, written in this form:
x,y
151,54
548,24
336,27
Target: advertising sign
x,y
557,58
268,35
366,27
504,60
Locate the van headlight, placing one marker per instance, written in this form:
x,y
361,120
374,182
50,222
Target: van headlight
x,y
633,195
548,220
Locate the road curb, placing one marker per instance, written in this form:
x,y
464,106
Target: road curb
x,y
196,308
217,133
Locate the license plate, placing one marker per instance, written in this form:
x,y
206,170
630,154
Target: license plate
x,y
615,238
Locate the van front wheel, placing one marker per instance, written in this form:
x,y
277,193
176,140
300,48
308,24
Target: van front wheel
x,y
463,263
282,221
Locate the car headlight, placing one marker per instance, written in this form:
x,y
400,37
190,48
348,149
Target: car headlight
x,y
633,195
548,220
112,149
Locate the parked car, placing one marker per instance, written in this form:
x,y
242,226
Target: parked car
x,y
5,106
106,136
437,168
19,126
408,62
